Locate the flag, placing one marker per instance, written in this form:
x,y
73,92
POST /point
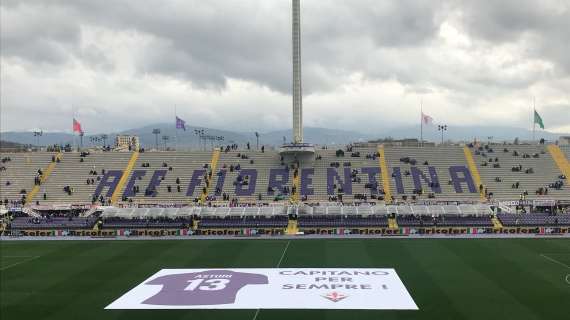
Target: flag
x,y
426,119
538,120
180,124
77,126
182,232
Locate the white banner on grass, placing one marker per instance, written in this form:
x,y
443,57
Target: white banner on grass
x,y
284,288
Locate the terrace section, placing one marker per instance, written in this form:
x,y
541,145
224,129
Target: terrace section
x,y
512,172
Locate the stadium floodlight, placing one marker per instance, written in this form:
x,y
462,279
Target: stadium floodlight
x,y
257,139
156,132
38,134
442,128
200,133
165,139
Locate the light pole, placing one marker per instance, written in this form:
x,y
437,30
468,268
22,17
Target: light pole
x,y
200,133
156,132
38,134
221,139
165,140
81,134
442,128
257,139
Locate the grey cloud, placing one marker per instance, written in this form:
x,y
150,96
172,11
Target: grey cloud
x,y
208,42
38,32
545,24
203,44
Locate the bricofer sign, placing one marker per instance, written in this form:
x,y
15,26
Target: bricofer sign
x,y
288,288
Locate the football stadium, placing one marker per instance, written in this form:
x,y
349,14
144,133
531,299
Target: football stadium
x,y
378,229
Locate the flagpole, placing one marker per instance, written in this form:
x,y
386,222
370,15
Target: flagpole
x,y
530,119
533,117
421,123
176,128
73,119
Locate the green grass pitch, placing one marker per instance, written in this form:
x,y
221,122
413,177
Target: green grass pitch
x,y
448,278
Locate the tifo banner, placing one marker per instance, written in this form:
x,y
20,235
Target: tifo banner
x,y
286,288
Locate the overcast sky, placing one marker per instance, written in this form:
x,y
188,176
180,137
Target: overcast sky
x,y
227,64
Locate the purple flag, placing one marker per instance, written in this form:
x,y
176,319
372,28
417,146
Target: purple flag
x,y
180,124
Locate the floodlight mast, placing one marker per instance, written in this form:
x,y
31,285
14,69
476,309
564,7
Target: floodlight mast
x,y
297,91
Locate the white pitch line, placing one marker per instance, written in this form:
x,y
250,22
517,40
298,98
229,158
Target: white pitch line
x,y
256,313
283,255
17,263
554,260
278,265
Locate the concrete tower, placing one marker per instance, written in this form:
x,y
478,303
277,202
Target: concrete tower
x,y
297,88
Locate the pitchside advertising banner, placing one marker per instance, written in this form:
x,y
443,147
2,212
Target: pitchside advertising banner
x,y
286,288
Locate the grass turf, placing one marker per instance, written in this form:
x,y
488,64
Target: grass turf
x,y
448,278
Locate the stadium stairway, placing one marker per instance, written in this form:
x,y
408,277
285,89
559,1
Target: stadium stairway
x,y
43,178
560,159
385,175
292,227
474,171
124,178
392,223
296,188
496,222
213,168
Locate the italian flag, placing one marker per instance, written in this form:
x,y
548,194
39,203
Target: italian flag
x,y
246,232
121,232
472,230
182,232
339,230
405,230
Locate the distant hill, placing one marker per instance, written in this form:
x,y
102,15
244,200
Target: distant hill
x,y
8,145
468,133
188,139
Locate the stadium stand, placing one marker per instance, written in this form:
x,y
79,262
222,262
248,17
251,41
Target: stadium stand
x,y
519,171
534,219
348,175
53,223
168,177
78,175
18,173
419,172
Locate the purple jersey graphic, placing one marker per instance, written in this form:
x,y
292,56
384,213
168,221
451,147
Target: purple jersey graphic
x,y
202,288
